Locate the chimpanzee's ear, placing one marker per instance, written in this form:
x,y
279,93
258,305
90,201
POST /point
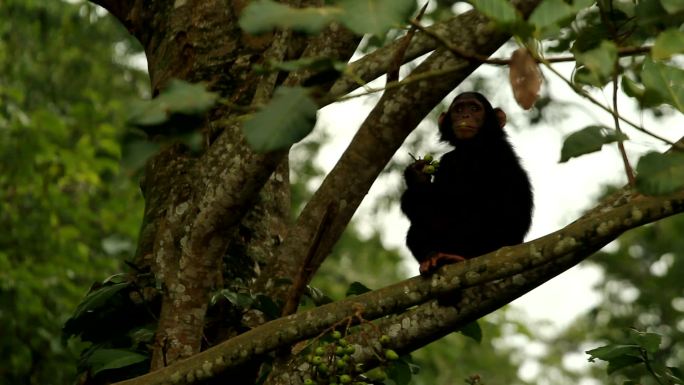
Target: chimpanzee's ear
x,y
500,116
441,118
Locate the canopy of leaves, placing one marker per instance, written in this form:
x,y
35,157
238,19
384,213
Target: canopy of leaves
x,y
67,210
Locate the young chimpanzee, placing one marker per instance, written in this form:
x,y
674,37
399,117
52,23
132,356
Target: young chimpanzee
x,y
480,198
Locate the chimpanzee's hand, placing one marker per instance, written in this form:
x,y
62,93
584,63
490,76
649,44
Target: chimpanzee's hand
x,y
415,174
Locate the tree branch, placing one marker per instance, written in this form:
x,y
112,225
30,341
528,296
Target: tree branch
x,y
557,251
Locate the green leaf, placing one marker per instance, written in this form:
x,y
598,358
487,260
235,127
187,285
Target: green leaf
x,y
668,43
265,15
357,288
317,296
660,174
600,61
285,120
500,11
267,306
672,6
631,88
375,16
610,352
622,362
551,12
665,81
240,300
135,153
587,140
472,330
104,359
649,341
179,97
399,371
675,375
98,299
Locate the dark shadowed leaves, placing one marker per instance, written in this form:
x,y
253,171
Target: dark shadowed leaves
x,y
98,298
357,288
472,330
587,140
660,174
285,120
399,372
104,359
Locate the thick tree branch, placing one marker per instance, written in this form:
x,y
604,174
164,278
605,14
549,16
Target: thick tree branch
x,y
574,242
434,319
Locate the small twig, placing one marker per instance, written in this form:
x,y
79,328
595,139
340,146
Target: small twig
x,y
644,356
616,117
311,263
398,57
389,86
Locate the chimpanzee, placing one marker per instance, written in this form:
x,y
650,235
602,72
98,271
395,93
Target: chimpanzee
x,y
479,198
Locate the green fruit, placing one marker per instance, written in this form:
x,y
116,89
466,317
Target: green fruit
x,y
339,351
385,339
429,169
391,355
317,360
345,379
428,158
319,351
341,364
309,381
350,349
343,342
336,335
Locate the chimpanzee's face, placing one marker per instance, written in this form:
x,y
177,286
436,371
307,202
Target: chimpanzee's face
x,y
467,117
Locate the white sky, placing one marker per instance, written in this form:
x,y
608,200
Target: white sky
x,y
562,191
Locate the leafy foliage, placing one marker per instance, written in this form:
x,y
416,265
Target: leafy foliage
x,y
63,195
179,98
660,174
285,120
587,140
